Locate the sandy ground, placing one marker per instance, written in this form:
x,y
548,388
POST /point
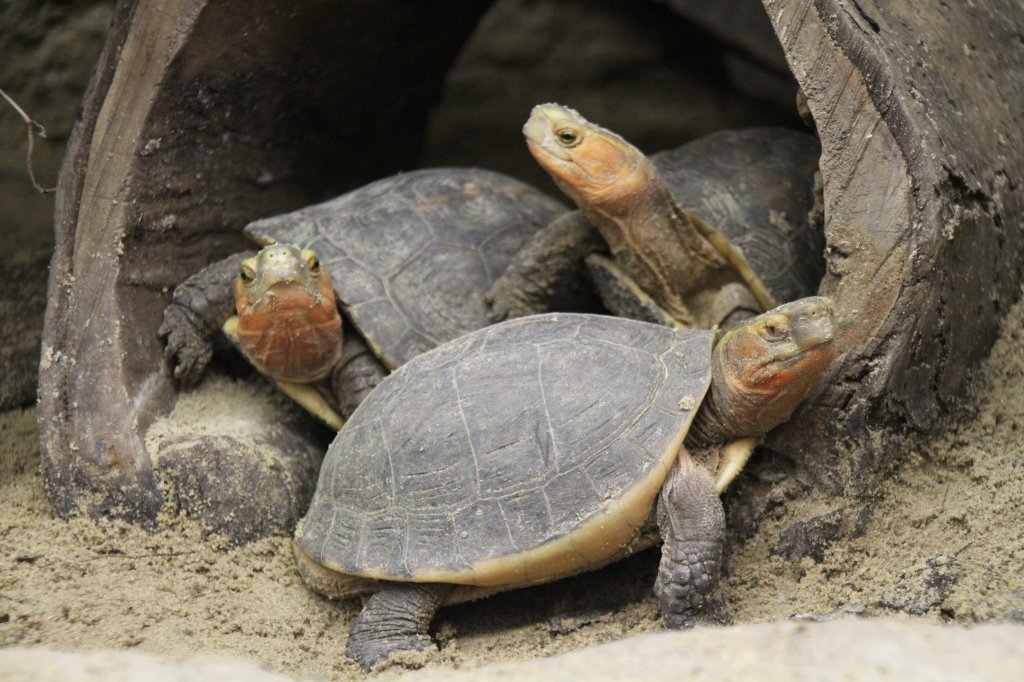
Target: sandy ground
x,y
944,543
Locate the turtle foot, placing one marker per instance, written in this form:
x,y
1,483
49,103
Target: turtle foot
x,y
394,620
371,650
685,582
188,344
692,524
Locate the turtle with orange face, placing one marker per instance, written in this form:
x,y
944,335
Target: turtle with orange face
x,y
347,290
704,235
546,446
287,321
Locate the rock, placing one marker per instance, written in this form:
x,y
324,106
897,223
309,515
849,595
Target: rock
x,y
850,649
925,587
810,538
47,665
237,456
49,50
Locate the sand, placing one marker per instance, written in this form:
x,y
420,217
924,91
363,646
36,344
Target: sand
x,y
944,543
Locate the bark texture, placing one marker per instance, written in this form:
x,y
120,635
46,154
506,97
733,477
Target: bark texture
x,y
919,109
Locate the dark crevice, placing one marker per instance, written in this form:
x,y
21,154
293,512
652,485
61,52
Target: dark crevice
x,y
864,15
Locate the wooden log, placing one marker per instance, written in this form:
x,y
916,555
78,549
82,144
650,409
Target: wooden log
x,y
203,115
919,108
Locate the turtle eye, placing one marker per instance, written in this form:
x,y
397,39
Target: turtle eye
x,y
312,262
775,329
567,137
247,273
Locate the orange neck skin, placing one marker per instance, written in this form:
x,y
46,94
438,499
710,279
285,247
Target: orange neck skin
x,y
291,333
622,193
604,173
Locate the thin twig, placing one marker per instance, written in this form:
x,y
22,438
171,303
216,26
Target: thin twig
x,y
38,129
117,554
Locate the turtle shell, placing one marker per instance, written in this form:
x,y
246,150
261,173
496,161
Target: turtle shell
x,y
412,255
756,185
516,454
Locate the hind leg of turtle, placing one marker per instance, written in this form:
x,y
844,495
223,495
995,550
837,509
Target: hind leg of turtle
x,y
394,619
692,524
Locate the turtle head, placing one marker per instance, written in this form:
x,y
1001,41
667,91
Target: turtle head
x,y
765,368
589,164
288,321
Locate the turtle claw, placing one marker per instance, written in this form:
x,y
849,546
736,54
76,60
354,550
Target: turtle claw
x,y
498,307
187,346
370,652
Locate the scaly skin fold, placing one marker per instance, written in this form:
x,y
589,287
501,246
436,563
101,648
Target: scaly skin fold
x,y
355,376
692,525
394,619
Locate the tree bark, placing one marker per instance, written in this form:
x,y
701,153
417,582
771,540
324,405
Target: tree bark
x,y
919,109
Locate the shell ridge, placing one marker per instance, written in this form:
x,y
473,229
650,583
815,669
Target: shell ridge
x,y
391,461
406,542
508,526
322,554
548,508
466,430
552,438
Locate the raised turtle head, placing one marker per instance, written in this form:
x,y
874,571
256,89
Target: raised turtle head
x,y
288,322
762,370
591,165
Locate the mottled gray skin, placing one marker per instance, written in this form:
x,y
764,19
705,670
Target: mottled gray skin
x,y
410,257
513,437
754,185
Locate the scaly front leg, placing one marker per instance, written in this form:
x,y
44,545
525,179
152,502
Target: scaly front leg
x,y
692,524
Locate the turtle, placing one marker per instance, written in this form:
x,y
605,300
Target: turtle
x,y
545,446
706,234
410,257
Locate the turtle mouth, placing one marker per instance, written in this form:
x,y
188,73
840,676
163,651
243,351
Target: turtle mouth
x,y
288,295
539,133
811,322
